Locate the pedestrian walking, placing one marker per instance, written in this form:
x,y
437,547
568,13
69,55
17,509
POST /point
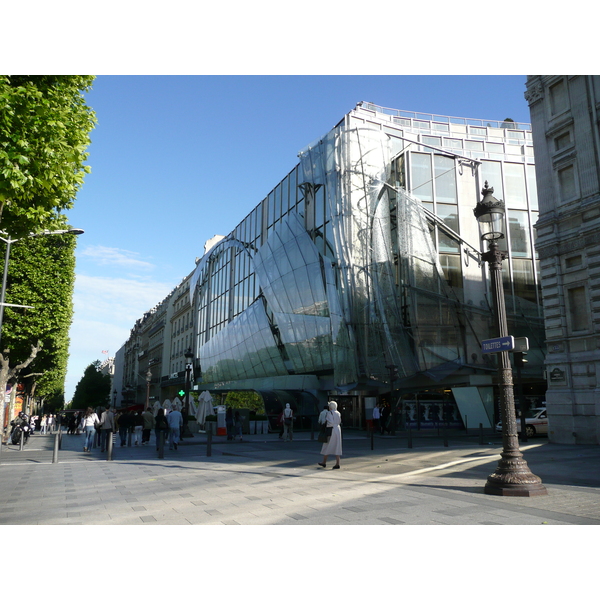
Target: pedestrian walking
x,y
376,417
138,425
161,427
229,423
323,415
107,426
334,433
288,423
149,422
44,425
238,424
88,425
175,421
385,419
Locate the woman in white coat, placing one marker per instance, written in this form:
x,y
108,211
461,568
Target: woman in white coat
x,y
334,445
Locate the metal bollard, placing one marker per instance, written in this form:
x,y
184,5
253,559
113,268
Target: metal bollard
x,y
209,442
161,444
55,452
410,437
60,439
109,446
372,436
446,436
129,436
21,441
481,434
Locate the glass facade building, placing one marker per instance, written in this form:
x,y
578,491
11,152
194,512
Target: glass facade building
x,y
358,275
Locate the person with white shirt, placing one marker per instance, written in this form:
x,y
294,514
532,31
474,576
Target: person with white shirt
x,y
175,421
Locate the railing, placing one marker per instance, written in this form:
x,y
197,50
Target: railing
x,y
440,119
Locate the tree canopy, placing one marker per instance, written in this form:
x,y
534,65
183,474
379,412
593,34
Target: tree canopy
x,y
41,274
93,388
44,133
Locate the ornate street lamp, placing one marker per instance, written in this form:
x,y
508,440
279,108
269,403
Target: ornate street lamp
x,y
512,476
189,357
148,382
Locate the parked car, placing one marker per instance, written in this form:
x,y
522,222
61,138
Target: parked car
x,y
536,422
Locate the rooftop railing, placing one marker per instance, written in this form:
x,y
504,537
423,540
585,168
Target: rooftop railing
x,y
414,116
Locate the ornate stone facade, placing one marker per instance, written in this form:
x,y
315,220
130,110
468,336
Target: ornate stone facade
x,y
564,118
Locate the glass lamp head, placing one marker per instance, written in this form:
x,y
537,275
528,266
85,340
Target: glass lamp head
x,y
489,213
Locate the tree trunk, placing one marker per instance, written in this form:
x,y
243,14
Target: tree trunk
x,y
8,373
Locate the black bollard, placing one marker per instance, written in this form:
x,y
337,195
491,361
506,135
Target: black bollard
x,y
410,436
209,441
372,436
60,439
446,436
109,449
129,435
161,444
55,452
481,434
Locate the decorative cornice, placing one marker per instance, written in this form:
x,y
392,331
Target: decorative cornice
x,y
534,93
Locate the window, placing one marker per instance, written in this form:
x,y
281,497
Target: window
x,y
562,141
566,183
445,179
558,98
579,312
573,262
516,196
421,176
518,225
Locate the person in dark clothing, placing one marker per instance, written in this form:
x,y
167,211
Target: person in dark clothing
x,y
385,419
161,427
125,425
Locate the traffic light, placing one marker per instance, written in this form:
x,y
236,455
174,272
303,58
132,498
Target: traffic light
x,y
520,359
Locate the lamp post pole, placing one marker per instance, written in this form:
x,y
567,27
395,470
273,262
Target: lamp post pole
x,y
148,382
512,476
189,357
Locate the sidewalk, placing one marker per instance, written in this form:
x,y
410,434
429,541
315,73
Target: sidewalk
x,y
263,480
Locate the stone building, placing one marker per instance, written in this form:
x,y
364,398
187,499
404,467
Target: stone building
x,y
564,119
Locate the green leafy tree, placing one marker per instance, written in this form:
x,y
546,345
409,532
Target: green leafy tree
x,y
249,400
93,388
44,133
41,274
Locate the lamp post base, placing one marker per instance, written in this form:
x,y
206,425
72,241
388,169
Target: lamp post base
x,y
513,478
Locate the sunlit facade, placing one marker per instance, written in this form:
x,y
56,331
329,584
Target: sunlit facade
x,y
358,275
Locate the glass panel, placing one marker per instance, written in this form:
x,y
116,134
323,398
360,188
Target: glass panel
x,y
491,172
451,266
471,145
532,187
518,227
523,280
319,207
421,176
514,176
445,179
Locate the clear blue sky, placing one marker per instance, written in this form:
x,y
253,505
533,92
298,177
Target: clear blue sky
x,y
178,159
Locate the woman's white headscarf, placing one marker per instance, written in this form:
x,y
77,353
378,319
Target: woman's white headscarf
x,y
332,405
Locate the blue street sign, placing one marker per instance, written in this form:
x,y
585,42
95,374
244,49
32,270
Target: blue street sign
x,y
502,344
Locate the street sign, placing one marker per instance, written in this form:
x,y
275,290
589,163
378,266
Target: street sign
x,y
521,344
502,344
